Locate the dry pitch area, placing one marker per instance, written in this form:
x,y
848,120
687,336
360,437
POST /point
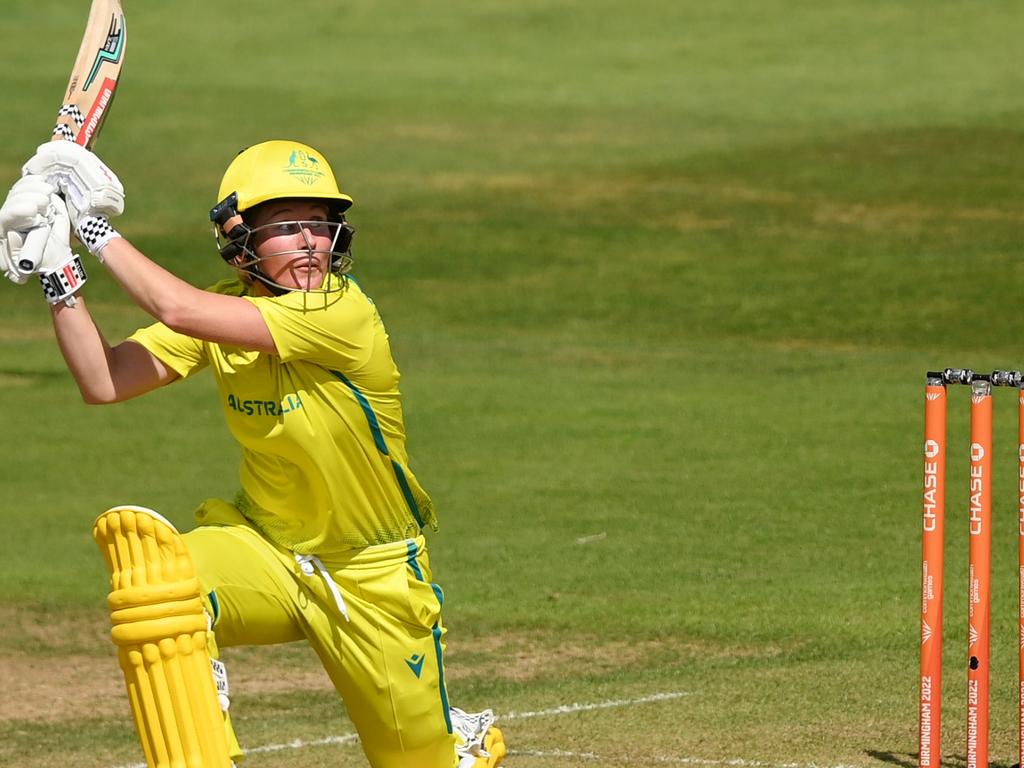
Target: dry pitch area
x,y
555,695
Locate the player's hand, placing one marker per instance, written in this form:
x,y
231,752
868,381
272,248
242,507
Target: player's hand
x,y
60,271
90,187
28,206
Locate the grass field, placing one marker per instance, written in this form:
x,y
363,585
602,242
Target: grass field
x,y
663,280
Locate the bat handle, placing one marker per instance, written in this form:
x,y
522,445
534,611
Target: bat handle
x,y
31,254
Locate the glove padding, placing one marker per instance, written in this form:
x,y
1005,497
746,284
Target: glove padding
x,y
90,187
60,271
29,205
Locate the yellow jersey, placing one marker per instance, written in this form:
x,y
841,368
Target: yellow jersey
x,y
324,463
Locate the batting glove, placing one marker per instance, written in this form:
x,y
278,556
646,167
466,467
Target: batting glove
x,y
61,272
28,207
89,186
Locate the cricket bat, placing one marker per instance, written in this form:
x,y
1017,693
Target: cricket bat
x,y
89,96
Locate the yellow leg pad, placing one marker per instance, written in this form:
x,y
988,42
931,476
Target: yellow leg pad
x,y
160,629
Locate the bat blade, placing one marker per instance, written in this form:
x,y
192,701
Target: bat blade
x,y
95,75
88,97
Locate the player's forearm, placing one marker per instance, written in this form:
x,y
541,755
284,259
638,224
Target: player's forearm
x,y
160,293
86,352
181,306
105,374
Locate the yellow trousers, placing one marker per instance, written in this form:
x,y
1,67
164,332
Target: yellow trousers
x,y
373,617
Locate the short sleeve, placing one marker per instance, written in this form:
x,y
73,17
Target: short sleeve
x,y
333,330
182,354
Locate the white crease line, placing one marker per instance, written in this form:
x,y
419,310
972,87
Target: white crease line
x,y
349,738
568,708
737,762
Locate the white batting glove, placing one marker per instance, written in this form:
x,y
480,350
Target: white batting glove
x,y
28,206
61,272
90,187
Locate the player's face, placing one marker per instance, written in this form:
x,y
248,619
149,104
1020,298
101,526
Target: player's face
x,y
293,242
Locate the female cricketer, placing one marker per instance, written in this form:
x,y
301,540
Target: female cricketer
x,y
324,540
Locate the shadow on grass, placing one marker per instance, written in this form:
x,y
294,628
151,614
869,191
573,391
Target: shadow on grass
x,y
905,760
909,760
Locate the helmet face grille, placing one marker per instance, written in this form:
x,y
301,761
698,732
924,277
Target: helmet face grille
x,y
240,252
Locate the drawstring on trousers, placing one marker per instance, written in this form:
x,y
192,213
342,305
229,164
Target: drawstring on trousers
x,y
311,564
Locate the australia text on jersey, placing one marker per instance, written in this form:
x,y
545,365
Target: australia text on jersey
x,y
264,407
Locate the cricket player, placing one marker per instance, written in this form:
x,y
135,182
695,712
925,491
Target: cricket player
x,y
324,540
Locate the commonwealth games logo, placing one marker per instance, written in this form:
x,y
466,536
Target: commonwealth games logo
x,y
304,166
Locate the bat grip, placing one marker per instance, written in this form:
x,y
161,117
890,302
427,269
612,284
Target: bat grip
x,y
31,254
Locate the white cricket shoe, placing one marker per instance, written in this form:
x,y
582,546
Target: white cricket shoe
x,y
478,743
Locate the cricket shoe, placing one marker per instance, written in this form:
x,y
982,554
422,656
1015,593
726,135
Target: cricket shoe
x,y
478,743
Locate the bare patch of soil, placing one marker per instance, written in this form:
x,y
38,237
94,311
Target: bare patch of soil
x,y
64,682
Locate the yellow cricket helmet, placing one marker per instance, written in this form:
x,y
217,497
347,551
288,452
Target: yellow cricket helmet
x,y
278,169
